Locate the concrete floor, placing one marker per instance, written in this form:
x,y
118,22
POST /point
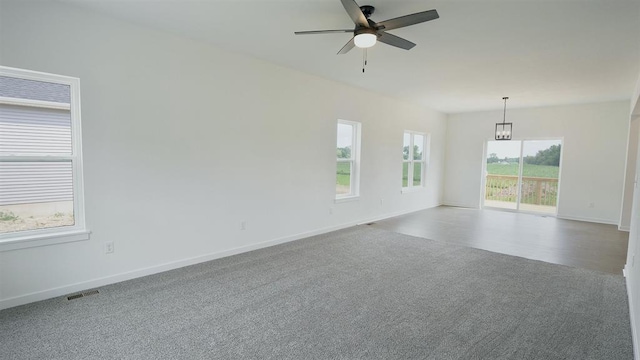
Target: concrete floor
x,y
538,237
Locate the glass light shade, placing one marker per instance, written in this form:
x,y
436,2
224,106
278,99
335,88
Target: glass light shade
x,y
365,40
504,131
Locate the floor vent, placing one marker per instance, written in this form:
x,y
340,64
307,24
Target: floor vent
x,y
77,296
92,292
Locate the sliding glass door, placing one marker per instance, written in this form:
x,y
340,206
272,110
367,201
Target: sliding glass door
x,y
523,175
502,174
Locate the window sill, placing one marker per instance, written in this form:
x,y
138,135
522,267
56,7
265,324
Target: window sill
x,y
347,199
412,189
30,241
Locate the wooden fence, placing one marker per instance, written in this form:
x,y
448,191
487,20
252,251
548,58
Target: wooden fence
x,y
535,190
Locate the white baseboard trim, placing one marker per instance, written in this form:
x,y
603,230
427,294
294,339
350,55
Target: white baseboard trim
x,y
391,215
634,329
592,220
107,280
459,204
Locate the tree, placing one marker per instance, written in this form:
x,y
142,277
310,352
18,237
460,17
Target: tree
x,y
344,152
417,154
493,158
549,157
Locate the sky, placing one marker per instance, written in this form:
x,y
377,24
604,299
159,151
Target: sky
x,y
345,135
511,148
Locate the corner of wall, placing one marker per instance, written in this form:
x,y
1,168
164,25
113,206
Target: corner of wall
x,y
635,100
632,315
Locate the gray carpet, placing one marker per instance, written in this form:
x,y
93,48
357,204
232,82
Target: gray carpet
x,y
359,293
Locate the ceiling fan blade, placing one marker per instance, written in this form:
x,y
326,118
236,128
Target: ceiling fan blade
x,y
348,46
395,41
407,20
355,13
323,32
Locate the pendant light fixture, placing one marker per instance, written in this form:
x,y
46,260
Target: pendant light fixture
x,y
503,129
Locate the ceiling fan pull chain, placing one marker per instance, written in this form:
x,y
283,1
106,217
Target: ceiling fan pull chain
x,y
364,59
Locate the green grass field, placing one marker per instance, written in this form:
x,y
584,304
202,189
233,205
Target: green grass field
x,y
529,170
417,173
343,174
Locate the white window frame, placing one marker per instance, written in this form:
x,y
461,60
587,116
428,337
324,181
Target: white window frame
x,y
354,183
425,160
49,236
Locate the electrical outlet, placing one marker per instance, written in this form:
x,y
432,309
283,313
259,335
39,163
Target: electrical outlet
x,y
243,225
108,247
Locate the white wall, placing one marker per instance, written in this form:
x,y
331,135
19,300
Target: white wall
x,y
630,173
183,141
632,268
593,159
635,99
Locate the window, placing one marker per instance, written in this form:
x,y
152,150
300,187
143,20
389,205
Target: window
x,y
41,193
348,158
414,159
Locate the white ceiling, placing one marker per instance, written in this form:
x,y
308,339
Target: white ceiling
x,y
539,53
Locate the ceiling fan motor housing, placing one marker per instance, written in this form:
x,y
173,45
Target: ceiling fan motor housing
x,y
361,30
367,10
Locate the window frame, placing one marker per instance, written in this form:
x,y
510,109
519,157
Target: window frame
x,y
411,161
354,160
48,236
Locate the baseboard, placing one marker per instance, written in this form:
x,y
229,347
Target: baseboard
x,y
81,286
459,204
634,329
391,215
591,220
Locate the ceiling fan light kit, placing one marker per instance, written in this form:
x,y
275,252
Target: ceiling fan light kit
x,y
367,32
365,40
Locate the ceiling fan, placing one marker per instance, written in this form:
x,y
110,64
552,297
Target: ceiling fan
x,y
367,32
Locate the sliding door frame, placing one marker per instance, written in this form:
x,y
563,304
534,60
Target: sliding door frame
x,y
483,181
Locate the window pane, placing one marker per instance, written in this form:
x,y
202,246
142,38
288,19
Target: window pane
x,y
35,195
30,130
345,141
417,174
405,146
343,178
418,147
405,174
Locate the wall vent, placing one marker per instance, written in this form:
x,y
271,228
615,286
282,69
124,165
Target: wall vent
x,y
77,296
